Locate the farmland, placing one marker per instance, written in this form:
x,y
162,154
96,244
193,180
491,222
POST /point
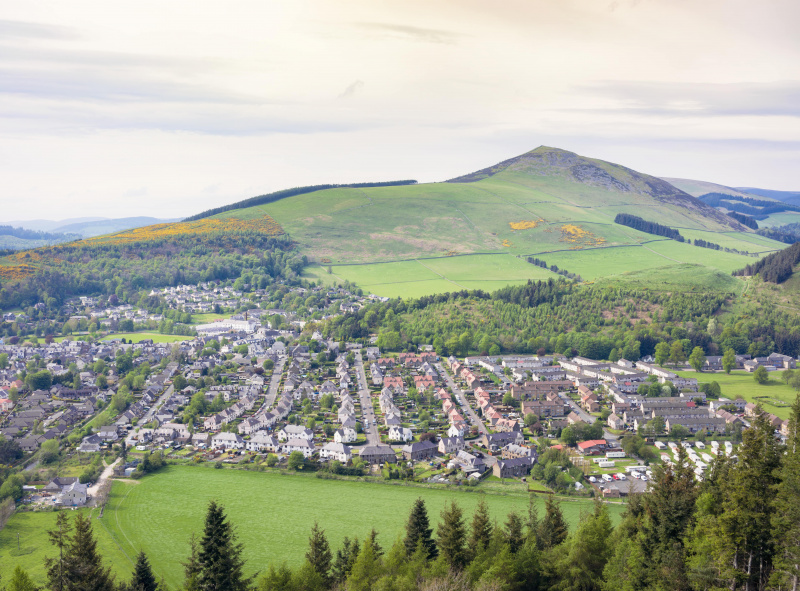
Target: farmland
x,y
273,514
775,396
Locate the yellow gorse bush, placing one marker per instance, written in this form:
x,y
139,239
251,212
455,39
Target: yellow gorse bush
x,y
579,237
525,224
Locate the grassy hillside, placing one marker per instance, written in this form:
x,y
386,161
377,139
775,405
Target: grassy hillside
x,y
548,203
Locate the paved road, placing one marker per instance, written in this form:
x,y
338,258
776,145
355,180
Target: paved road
x,y
461,399
107,472
148,416
272,390
367,411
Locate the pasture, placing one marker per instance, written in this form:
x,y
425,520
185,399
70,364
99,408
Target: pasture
x,y
155,336
273,514
774,396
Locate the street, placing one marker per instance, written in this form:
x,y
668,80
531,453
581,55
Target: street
x,y
367,411
587,418
272,390
461,399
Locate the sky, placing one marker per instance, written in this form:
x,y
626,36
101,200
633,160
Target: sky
x,y
166,109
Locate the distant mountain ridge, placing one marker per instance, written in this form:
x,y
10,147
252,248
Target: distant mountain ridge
x,y
88,227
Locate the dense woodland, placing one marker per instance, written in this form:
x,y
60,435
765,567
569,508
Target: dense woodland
x,y
774,268
637,223
125,268
788,233
739,529
278,195
596,321
744,219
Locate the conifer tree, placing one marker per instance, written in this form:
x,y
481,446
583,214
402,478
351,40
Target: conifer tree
x,y
513,532
451,535
553,529
56,567
20,581
418,530
85,570
786,520
319,554
143,578
220,556
366,570
372,540
481,530
342,563
191,568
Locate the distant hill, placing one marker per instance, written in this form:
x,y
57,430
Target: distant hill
x,y
697,188
791,197
88,227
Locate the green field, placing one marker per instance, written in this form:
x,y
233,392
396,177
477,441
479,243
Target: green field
x,y
156,337
419,277
34,546
779,219
205,318
273,513
408,234
775,396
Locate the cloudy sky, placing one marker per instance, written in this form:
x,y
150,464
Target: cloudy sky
x,y
168,108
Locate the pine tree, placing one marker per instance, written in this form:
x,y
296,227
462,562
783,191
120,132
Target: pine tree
x,y
372,540
513,532
342,563
220,556
418,530
56,567
533,524
84,566
192,568
20,581
366,570
553,529
481,531
786,520
319,554
143,578
581,566
450,536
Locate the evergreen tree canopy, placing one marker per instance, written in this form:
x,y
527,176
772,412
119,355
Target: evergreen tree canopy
x,y
418,530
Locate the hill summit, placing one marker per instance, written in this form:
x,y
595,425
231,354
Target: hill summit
x,y
572,168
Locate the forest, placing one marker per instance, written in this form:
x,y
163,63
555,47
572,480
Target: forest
x,y
788,233
637,223
54,274
776,267
737,529
558,316
744,219
26,234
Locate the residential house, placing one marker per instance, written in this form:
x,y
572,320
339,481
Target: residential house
x,y
513,467
336,451
419,450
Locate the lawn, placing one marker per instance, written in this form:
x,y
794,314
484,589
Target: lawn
x,y
774,396
155,336
273,514
34,546
206,318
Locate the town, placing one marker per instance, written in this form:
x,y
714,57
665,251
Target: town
x,y
257,390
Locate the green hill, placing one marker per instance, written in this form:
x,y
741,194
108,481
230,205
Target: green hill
x,y
476,231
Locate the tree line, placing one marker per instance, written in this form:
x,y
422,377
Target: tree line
x,y
788,233
553,268
758,208
278,195
26,234
637,223
776,267
745,220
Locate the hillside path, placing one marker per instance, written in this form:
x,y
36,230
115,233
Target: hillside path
x,y
92,491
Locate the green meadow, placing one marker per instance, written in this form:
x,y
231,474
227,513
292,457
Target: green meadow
x,y
774,396
273,514
155,336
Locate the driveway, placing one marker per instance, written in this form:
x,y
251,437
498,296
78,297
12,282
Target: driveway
x,y
107,472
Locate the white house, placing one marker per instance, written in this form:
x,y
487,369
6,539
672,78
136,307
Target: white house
x,y
301,445
263,442
345,435
227,441
457,430
336,451
397,433
295,432
74,495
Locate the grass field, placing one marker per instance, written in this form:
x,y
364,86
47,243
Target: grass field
x,y
273,514
420,277
683,277
779,219
156,337
774,396
205,318
34,546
